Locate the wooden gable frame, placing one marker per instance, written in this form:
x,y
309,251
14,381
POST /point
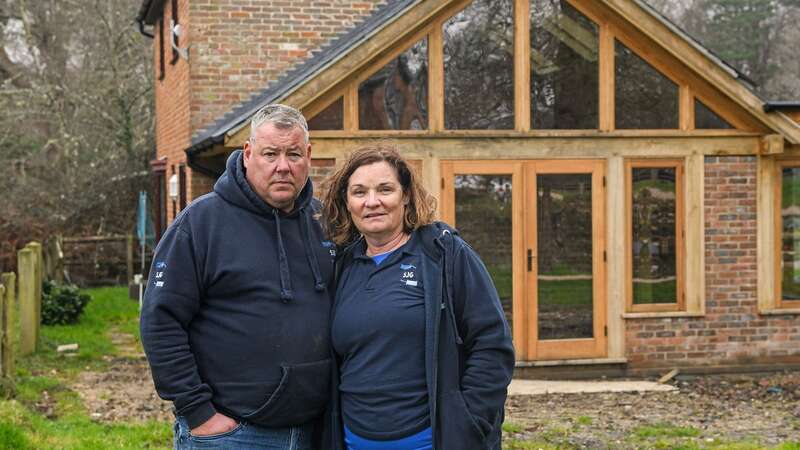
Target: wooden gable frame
x,y
626,21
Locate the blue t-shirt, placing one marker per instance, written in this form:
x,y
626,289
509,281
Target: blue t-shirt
x,y
378,332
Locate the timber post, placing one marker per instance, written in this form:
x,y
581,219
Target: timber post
x,y
8,324
129,258
29,303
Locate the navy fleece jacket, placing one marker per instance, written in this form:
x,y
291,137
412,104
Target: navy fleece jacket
x,y
235,316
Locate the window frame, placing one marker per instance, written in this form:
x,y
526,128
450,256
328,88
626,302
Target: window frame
x,y
780,303
609,33
175,54
680,236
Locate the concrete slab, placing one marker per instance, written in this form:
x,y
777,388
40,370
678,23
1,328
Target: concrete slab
x,y
539,387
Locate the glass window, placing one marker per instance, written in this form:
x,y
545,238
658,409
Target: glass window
x,y
564,72
483,218
330,118
396,96
790,234
706,119
655,241
479,67
645,99
565,277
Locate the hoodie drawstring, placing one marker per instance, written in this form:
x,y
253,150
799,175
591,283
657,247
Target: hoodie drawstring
x,y
305,228
286,279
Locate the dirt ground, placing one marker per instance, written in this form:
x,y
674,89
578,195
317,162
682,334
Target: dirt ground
x,y
762,410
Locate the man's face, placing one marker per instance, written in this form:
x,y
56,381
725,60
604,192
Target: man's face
x,y
277,163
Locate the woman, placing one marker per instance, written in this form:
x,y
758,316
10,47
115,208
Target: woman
x,y
423,352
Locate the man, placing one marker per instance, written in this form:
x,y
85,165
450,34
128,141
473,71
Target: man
x,y
235,315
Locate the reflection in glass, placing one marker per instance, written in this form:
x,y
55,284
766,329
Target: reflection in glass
x,y
564,73
645,99
564,251
479,67
396,96
330,118
483,218
654,208
790,233
706,119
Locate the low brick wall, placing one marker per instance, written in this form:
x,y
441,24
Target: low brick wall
x,y
732,332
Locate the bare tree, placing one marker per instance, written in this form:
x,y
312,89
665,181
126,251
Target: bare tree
x,y
76,118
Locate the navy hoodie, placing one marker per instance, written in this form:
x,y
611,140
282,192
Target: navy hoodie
x,y
235,316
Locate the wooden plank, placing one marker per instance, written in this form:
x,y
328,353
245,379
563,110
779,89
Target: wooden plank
x,y
351,108
3,329
436,80
686,110
490,148
129,258
522,68
29,326
772,144
529,134
93,239
9,325
39,273
695,243
616,287
607,78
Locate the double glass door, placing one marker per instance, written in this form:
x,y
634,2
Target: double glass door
x,y
539,229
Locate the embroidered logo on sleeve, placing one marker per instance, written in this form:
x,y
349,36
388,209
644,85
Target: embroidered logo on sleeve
x,y
160,266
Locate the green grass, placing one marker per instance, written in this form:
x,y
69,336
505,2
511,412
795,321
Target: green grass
x,y
510,427
661,430
22,426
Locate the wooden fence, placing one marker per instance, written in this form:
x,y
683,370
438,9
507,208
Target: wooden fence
x,y
25,288
102,260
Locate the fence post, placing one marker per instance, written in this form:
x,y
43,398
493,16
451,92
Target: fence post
x,y
39,263
130,258
8,324
28,308
3,329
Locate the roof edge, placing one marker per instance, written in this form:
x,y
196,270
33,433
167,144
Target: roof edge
x,y
782,106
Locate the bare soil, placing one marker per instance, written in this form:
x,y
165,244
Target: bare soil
x,y
762,410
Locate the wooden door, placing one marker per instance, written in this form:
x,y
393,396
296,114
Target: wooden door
x,y
539,229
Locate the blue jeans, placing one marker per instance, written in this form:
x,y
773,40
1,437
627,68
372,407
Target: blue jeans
x,y
245,436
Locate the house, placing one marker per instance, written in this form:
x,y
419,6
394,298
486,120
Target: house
x,y
636,204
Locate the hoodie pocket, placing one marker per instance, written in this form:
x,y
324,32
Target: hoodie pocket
x,y
302,395
459,428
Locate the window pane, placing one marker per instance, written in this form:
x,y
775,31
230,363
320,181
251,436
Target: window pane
x,y
790,233
483,218
396,96
330,118
645,99
564,250
563,62
706,119
479,67
654,209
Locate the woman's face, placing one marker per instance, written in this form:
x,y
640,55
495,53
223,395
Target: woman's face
x,y
375,200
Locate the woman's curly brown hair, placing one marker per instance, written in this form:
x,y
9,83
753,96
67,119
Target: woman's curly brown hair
x,y
420,209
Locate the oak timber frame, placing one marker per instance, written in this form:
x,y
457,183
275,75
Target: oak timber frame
x,y
440,150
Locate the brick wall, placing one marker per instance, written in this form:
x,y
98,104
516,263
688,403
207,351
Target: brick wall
x,y
732,332
240,47
237,48
173,97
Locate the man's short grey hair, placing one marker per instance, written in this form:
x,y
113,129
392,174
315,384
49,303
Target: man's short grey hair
x,y
281,116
